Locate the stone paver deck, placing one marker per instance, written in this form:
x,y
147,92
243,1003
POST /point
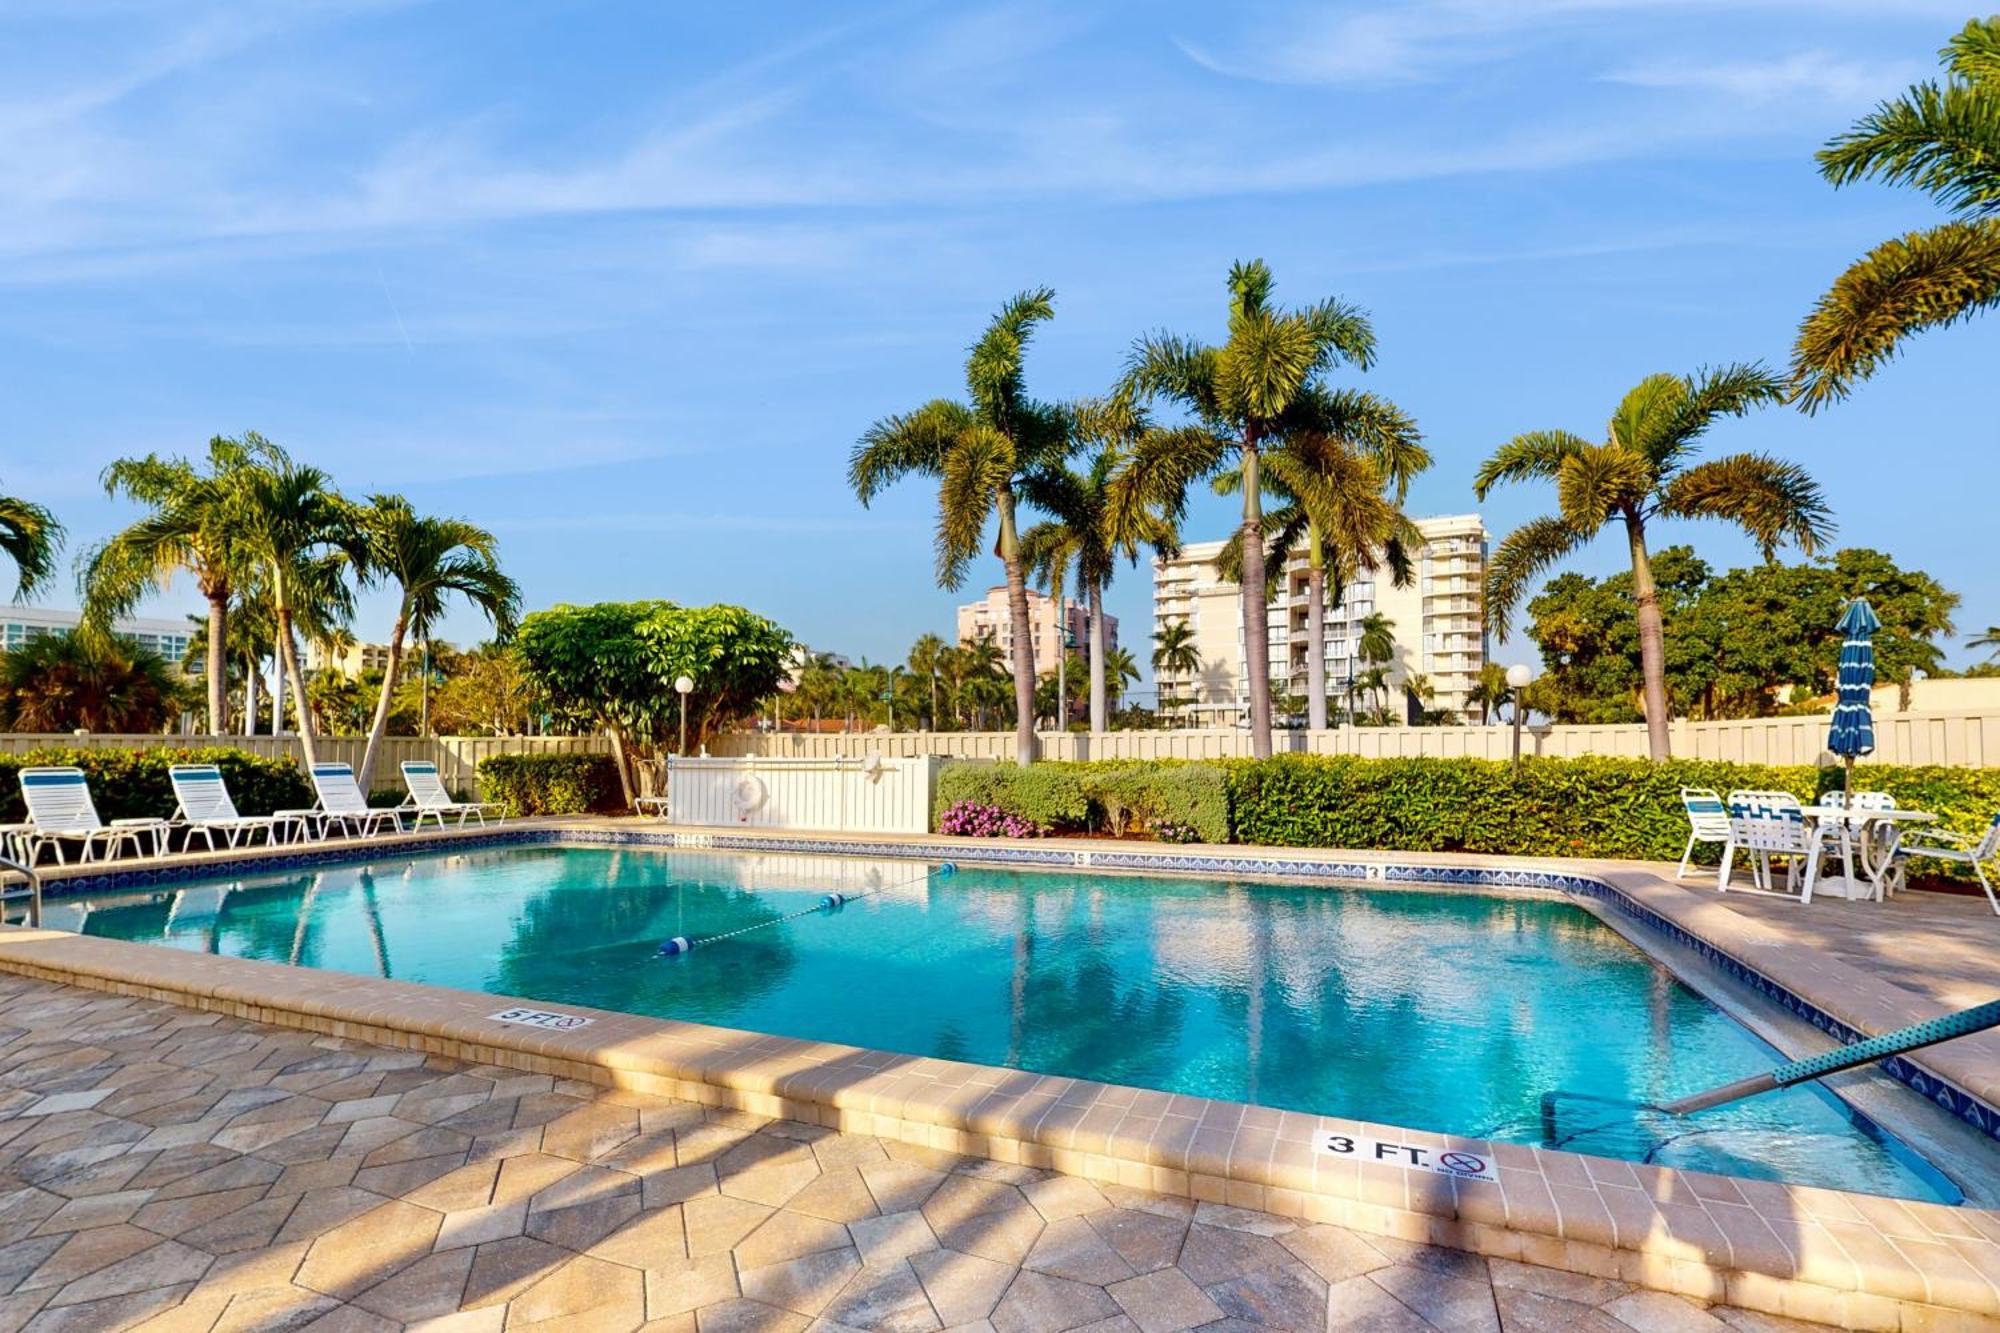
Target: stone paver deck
x,y
169,1169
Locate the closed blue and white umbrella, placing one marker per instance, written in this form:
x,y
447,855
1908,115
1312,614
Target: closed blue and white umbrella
x,y
1853,732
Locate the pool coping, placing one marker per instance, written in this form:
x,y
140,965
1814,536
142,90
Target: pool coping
x,y
1860,1261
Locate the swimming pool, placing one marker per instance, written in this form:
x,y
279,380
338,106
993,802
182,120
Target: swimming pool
x,y
1447,1010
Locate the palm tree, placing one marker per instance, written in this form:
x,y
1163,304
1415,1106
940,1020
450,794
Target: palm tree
x,y
927,659
1341,484
428,559
1989,640
981,452
1255,390
1489,691
1089,532
1376,645
196,524
1174,652
1945,140
303,536
1643,471
30,537
1120,670
60,682
983,667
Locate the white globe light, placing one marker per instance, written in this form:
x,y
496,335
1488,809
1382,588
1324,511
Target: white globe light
x,y
1520,676
685,684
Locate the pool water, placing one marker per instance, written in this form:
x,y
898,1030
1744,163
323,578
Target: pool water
x,y
1446,1010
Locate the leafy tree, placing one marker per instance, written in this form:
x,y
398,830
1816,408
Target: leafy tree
x,y
485,692
60,682
1089,532
1174,652
1643,471
981,452
1943,139
196,522
428,559
612,666
1737,643
30,537
1259,389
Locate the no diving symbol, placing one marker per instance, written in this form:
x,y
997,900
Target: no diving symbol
x,y
1462,1163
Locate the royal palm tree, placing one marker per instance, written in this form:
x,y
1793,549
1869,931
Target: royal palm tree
x,y
1944,139
1120,670
1255,390
302,536
1644,470
1088,532
30,537
196,523
429,560
981,452
1340,485
1174,652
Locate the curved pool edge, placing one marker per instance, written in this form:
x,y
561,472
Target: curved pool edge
x,y
1859,1261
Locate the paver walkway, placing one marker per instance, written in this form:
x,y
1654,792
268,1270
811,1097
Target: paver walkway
x,y
172,1170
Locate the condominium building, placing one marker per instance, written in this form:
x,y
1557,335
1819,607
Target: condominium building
x,y
989,616
351,659
168,638
1435,620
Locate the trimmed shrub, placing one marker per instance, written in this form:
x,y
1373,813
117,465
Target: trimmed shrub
x,y
1049,796
1172,802
969,819
552,784
133,784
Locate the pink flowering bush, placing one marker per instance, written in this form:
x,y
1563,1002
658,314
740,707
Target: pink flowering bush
x,y
970,819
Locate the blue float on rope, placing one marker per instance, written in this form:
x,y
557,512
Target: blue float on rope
x,y
833,900
679,944
947,868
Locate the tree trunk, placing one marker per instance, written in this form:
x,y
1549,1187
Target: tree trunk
x,y
218,662
1024,641
288,652
1652,642
1256,616
1315,632
380,727
622,761
250,672
277,691
1062,662
1100,699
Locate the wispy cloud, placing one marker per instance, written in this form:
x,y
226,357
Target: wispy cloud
x,y
1808,74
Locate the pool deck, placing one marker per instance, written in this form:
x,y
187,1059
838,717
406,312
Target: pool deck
x,y
1844,1259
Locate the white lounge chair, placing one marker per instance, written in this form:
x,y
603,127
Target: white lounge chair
x,y
343,806
1708,821
1944,845
429,798
60,810
204,807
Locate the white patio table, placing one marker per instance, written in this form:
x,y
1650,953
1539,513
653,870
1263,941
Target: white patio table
x,y
1861,832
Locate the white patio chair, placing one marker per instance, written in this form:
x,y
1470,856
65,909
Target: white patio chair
x,y
1708,821
428,797
1940,844
343,806
205,807
60,810
1767,824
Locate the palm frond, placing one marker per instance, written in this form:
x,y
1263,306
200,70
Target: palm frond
x,y
1710,393
1973,53
1375,425
1165,365
1924,280
1521,558
1535,456
1343,332
30,537
1265,364
899,446
993,368
974,471
1599,483
1772,500
1250,284
1943,140
1161,467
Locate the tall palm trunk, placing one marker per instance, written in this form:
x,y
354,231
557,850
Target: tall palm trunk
x,y
1024,642
1315,631
380,726
288,665
218,660
1652,641
251,669
1256,616
277,691
1100,701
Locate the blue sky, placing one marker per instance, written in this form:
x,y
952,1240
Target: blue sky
x,y
625,281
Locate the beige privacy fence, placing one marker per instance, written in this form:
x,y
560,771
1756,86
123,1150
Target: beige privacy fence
x,y
1959,739
457,757
871,795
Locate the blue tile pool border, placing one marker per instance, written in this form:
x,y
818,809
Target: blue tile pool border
x,y
1938,1091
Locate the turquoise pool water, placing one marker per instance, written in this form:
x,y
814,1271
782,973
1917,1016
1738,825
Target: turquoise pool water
x,y
1440,1010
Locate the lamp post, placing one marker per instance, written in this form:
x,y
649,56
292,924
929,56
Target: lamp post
x,y
684,686
1518,678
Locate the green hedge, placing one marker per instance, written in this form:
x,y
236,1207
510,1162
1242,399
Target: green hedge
x,y
133,784
1590,807
552,784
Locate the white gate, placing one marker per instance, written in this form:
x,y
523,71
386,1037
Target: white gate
x,y
861,795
